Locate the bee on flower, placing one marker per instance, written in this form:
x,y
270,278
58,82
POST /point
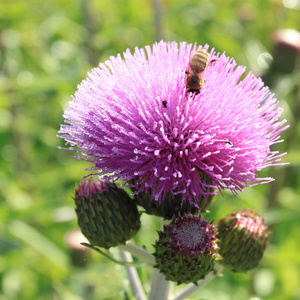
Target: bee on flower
x,y
199,62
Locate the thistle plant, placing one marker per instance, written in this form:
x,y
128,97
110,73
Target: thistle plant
x,y
135,119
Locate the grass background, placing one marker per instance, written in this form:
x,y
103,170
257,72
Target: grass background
x,y
46,49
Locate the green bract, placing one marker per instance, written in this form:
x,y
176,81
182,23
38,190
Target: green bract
x,y
173,204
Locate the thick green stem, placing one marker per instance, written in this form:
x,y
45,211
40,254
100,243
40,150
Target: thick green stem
x,y
191,288
133,277
160,287
138,252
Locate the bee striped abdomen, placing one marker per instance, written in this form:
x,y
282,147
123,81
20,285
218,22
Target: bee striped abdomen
x,y
199,61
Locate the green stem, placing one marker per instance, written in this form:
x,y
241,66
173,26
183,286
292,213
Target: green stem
x,y
139,252
191,288
133,277
125,264
160,287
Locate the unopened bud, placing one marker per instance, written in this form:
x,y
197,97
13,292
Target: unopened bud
x,y
79,254
243,238
106,214
286,50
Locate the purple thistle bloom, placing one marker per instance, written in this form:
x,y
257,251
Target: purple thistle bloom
x,y
133,118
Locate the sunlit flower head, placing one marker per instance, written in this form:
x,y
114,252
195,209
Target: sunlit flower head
x,y
134,119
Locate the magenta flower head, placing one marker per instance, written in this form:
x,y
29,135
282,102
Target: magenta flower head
x,y
135,119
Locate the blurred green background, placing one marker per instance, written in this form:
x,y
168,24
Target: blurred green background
x,y
46,49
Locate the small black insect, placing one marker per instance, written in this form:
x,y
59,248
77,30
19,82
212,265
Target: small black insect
x,y
228,143
164,103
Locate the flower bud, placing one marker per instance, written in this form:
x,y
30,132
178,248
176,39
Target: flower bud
x,y
286,50
186,249
243,239
172,205
79,254
106,214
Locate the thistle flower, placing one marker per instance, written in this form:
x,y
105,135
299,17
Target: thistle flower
x,y
186,249
134,119
106,214
243,238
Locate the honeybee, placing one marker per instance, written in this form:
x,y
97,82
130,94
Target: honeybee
x,y
194,80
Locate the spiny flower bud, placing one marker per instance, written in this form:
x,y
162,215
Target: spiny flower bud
x,y
172,205
79,254
243,239
286,50
186,249
106,214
